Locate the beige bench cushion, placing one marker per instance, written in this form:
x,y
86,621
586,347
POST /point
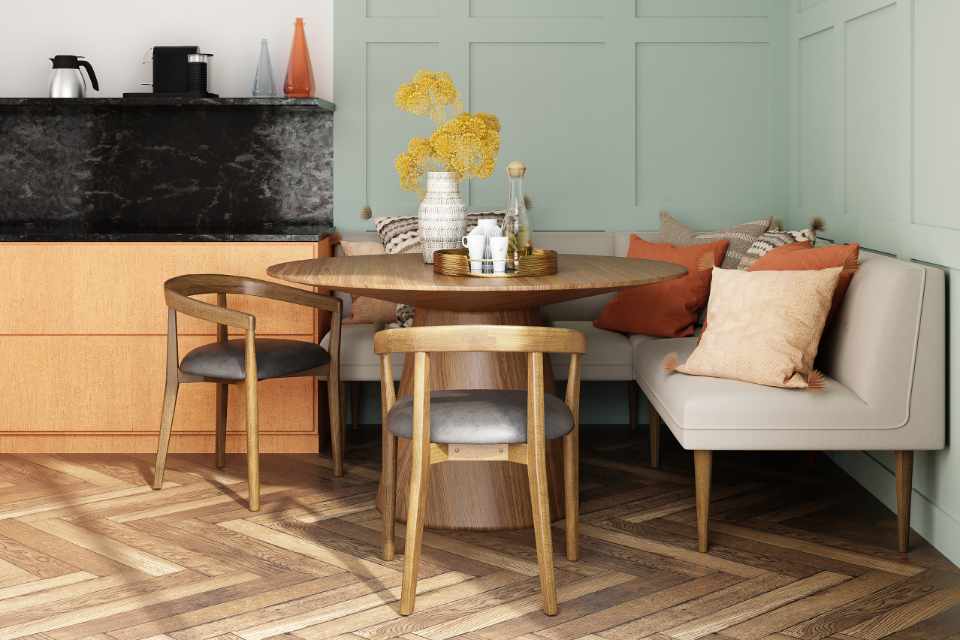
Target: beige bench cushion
x,y
719,414
609,355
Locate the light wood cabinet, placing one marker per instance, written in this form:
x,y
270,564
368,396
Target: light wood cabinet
x,y
82,343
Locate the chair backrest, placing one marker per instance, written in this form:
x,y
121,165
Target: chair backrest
x,y
179,292
888,342
479,338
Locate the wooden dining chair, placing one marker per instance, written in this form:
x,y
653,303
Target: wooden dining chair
x,y
507,425
245,361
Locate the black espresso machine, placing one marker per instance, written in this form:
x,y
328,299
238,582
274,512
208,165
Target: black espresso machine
x,y
179,71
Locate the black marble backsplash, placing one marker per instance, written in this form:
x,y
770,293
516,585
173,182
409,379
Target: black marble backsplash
x,y
178,169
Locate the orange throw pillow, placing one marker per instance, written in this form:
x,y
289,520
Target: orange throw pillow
x,y
790,257
665,309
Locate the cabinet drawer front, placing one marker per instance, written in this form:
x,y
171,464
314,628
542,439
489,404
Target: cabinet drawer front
x,y
115,383
117,288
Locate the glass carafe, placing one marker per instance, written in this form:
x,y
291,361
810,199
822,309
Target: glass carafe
x,y
517,220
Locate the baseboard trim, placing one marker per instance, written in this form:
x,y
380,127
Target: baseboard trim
x,y
936,526
147,443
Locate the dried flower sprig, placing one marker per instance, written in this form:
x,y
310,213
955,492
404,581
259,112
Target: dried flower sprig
x,y
466,144
429,94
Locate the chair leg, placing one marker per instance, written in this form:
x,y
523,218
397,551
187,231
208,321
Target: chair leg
x,y
571,492
389,471
416,513
221,445
356,392
654,436
323,416
253,445
336,427
540,506
166,426
904,493
702,469
633,398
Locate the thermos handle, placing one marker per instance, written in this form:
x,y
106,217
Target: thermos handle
x,y
93,76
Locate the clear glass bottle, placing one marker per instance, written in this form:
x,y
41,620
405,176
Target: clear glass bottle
x,y
518,230
263,84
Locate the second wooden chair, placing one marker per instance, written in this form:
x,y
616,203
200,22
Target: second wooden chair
x,y
245,361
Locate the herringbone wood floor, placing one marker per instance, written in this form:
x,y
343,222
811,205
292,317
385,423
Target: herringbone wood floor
x,y
799,552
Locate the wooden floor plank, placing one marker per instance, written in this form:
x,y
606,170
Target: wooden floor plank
x,y
906,615
870,562
755,606
78,616
110,548
686,555
312,618
811,606
358,566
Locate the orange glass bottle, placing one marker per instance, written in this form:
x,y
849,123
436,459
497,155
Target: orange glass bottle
x,y
299,80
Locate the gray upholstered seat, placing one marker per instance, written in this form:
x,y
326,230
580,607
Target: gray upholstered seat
x,y
480,417
275,358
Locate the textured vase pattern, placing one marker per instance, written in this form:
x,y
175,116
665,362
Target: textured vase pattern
x,y
443,218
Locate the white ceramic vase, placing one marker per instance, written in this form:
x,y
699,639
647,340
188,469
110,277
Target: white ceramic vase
x,y
443,216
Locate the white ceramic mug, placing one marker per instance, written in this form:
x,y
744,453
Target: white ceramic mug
x,y
498,251
475,244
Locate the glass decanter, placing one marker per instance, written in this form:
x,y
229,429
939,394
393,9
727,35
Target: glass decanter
x,y
517,226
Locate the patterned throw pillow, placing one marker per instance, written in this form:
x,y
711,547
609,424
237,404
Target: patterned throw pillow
x,y
401,234
740,237
777,237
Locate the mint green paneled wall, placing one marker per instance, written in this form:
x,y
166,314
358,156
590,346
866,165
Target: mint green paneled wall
x,y
619,107
874,134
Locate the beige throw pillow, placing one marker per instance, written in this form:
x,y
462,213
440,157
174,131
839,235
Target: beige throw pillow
x,y
365,310
740,237
764,327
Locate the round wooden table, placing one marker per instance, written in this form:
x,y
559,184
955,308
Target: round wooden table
x,y
475,495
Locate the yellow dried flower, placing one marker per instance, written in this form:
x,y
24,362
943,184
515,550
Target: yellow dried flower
x,y
413,163
468,145
429,94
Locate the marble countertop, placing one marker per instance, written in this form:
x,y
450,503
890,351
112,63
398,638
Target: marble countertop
x,y
151,101
25,234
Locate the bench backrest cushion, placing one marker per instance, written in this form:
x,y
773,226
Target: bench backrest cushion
x,y
888,342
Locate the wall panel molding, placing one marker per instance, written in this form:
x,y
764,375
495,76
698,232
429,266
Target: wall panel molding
x,y
582,58
898,131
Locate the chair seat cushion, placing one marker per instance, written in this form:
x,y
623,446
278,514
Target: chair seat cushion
x,y
608,356
480,417
275,358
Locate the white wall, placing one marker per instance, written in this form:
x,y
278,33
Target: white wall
x,y
875,132
115,34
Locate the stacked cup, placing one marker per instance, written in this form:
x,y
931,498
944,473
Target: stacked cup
x,y
486,241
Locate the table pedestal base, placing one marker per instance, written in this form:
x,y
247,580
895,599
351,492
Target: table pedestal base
x,y
477,495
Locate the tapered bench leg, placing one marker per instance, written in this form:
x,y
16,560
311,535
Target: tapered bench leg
x,y
633,398
904,493
654,436
702,469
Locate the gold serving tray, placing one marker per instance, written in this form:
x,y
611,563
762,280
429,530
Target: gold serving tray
x,y
456,262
